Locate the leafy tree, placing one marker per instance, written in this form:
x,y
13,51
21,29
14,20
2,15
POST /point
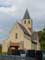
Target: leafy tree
x,y
0,49
42,39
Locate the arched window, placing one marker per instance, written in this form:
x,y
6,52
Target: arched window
x,y
25,22
16,36
29,22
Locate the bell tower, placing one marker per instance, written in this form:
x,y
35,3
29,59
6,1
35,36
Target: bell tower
x,y
27,22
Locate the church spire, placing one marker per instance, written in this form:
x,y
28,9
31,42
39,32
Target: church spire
x,y
26,15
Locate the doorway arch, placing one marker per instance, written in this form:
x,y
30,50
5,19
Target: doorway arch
x,y
13,48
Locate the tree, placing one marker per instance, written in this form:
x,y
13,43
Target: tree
x,y
42,39
0,49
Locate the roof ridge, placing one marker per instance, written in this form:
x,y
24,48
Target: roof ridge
x,y
24,29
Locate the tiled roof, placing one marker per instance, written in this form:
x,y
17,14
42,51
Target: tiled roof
x,y
35,37
30,29
24,30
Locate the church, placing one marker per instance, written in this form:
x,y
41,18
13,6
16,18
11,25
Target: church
x,y
21,36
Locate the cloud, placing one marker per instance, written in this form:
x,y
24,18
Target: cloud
x,y
1,30
6,7
5,4
11,9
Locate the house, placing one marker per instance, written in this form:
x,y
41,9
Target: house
x,y
21,36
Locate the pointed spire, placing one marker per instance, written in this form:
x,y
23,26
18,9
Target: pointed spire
x,y
26,15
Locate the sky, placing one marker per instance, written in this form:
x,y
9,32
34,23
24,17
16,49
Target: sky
x,y
13,10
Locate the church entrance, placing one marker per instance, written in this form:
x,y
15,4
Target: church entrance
x,y
13,48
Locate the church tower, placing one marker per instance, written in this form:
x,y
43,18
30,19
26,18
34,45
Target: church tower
x,y
27,22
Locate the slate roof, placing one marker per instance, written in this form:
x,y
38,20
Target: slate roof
x,y
24,30
35,37
26,15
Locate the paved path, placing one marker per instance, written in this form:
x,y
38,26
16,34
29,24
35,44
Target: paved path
x,y
15,58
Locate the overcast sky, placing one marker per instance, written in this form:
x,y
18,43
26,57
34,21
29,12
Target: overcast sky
x,y
12,10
